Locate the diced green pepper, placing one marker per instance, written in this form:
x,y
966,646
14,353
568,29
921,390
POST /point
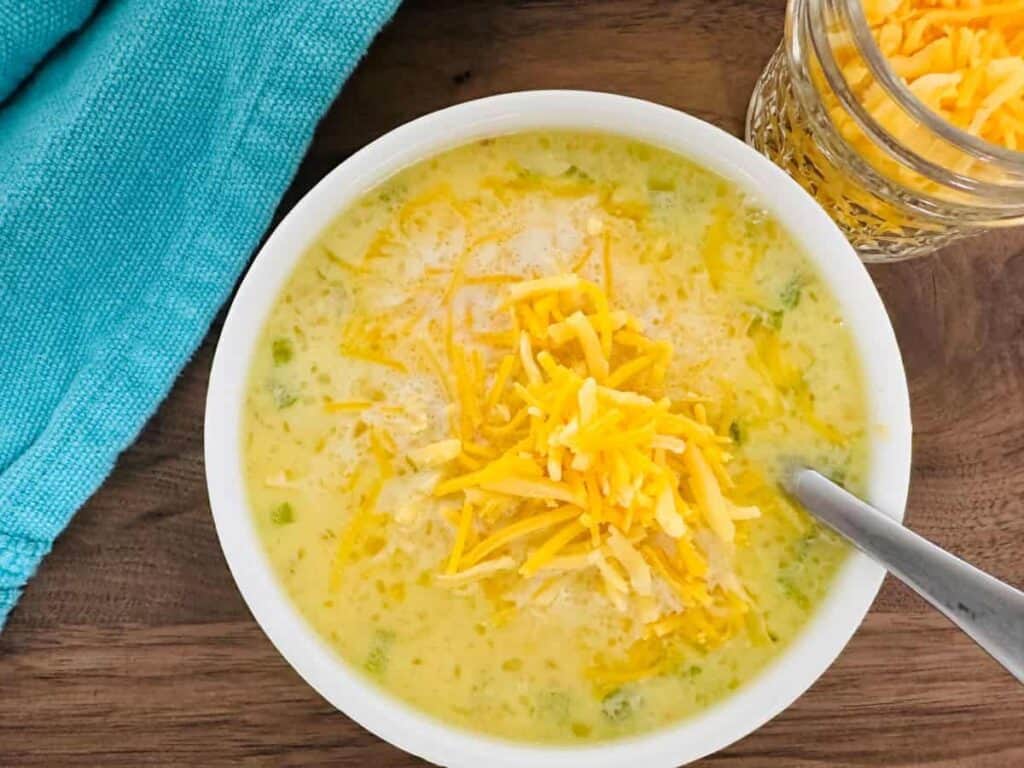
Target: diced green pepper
x,y
790,295
574,172
380,649
282,514
282,351
791,591
661,180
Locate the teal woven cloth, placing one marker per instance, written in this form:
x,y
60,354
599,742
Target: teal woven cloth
x,y
140,163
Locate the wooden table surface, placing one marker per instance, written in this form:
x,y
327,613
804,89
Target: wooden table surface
x,y
132,646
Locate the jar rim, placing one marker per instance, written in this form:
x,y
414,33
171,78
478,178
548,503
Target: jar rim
x,y
885,75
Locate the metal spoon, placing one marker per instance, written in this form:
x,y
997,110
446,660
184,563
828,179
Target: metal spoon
x,y
988,610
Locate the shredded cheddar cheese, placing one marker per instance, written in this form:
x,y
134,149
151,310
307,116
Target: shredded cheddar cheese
x,y
578,462
963,58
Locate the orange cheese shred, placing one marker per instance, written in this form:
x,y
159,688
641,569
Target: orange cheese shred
x,y
564,452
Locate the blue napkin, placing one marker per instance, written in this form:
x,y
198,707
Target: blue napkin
x,y
139,166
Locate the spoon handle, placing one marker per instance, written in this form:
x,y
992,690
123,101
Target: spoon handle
x,y
988,610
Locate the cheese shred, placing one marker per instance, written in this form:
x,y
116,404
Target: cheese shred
x,y
594,469
963,58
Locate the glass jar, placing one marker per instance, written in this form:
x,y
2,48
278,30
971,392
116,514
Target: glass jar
x,y
899,180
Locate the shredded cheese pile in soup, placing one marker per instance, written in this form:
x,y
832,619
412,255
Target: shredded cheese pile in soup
x,y
515,426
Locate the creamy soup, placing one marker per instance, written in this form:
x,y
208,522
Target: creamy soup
x,y
515,427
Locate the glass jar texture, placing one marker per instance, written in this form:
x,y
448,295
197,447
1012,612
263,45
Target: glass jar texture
x,y
899,180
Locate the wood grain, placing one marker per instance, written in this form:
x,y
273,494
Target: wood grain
x,y
132,646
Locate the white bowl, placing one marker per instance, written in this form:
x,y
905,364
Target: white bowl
x,y
788,675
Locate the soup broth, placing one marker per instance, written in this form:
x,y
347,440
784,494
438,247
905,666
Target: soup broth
x,y
377,416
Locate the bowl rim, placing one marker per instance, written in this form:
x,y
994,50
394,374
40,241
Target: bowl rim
x,y
790,673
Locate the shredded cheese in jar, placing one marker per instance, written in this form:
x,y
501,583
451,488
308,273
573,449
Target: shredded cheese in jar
x,y
887,164
964,59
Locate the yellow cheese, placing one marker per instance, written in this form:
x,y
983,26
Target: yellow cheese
x,y
963,58
545,285
349,406
437,453
373,357
465,520
516,530
579,453
634,564
590,344
709,496
546,551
